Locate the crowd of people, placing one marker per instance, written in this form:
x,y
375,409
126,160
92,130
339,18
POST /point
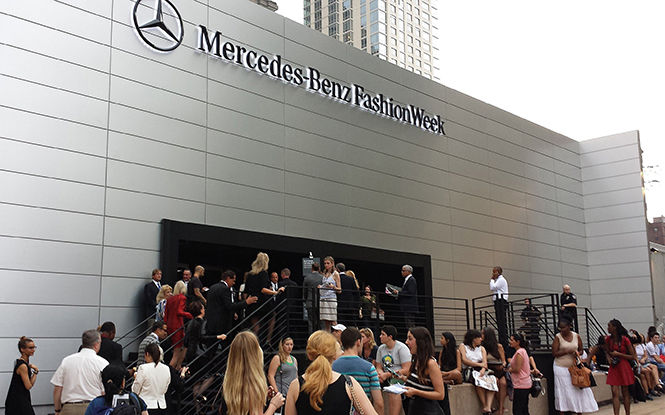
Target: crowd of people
x,y
347,368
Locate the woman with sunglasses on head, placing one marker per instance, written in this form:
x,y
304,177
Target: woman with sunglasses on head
x,y
24,377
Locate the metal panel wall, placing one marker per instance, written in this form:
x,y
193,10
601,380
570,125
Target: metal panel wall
x,y
106,137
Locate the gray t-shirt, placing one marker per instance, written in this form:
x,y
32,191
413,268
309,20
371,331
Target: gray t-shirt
x,y
396,356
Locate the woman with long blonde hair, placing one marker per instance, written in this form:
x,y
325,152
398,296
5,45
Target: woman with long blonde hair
x,y
257,284
173,316
244,386
164,293
328,290
321,390
369,347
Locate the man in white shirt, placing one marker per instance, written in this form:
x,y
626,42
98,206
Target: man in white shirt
x,y
499,288
654,354
78,379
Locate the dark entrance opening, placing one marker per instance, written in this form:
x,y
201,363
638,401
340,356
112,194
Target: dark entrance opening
x,y
185,245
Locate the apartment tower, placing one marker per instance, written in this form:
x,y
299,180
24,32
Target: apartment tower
x,y
399,31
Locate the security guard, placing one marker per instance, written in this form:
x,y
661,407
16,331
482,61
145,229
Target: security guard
x,y
568,303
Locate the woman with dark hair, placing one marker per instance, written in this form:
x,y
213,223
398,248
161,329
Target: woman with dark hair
x,y
368,305
113,379
620,375
496,362
598,351
424,384
24,377
520,370
566,348
450,362
474,356
152,381
195,340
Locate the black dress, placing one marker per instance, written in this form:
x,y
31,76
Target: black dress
x,y
419,405
18,397
253,286
335,399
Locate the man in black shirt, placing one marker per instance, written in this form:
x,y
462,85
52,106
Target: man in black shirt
x,y
195,287
568,303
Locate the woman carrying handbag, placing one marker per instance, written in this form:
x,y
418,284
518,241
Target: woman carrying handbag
x,y
566,348
321,391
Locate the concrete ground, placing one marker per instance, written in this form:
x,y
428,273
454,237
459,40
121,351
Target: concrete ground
x,y
655,407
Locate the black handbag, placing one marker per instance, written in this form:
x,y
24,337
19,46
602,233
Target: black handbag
x,y
467,375
536,387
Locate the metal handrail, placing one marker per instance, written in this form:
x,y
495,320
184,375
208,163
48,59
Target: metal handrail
x,y
117,340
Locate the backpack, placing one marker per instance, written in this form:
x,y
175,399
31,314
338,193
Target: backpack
x,y
122,408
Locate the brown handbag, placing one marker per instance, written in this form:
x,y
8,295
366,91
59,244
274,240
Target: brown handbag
x,y
580,375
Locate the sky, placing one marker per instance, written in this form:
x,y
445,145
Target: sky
x,y
583,68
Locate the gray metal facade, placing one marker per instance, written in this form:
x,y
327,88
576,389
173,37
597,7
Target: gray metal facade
x,y
101,138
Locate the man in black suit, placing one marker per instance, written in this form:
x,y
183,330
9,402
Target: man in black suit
x,y
349,299
223,305
150,292
109,350
407,297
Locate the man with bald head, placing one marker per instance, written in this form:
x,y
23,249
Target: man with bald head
x,y
568,302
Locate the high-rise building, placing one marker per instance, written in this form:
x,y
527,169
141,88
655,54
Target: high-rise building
x,y
268,4
400,31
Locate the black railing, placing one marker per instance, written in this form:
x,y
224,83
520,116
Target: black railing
x,y
592,327
537,320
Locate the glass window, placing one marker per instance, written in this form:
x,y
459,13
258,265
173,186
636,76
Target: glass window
x,y
393,31
393,41
410,49
374,28
374,49
393,20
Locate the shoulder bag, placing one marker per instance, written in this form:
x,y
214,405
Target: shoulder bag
x,y
579,375
354,400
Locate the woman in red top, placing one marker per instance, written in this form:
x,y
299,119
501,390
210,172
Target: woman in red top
x,y
620,352
173,316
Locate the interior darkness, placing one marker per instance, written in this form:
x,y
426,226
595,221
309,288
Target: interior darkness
x,y
185,245
216,258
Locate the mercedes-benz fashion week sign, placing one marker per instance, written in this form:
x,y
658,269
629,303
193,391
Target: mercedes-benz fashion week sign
x,y
162,30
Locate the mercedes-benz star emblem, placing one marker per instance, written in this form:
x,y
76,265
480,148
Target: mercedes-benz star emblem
x,y
161,26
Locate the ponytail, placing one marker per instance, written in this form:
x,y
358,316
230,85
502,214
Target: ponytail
x,y
153,350
113,377
321,350
23,342
318,378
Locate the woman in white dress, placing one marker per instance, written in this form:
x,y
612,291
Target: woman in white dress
x,y
328,293
474,356
566,347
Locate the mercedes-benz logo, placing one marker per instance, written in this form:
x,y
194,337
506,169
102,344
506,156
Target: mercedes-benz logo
x,y
161,26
